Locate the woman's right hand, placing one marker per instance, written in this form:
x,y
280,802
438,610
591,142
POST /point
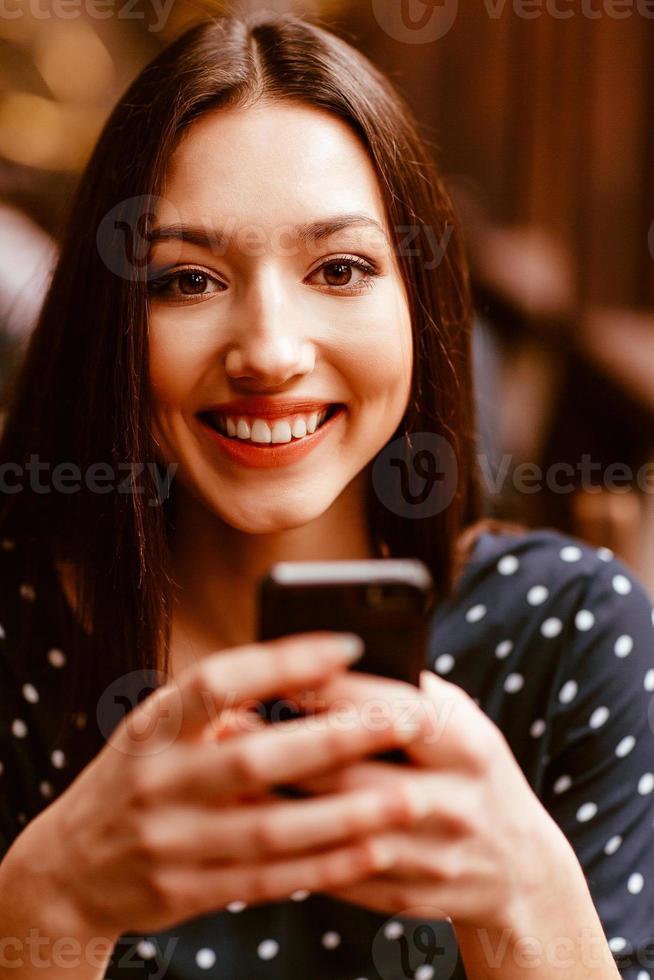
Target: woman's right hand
x,y
156,831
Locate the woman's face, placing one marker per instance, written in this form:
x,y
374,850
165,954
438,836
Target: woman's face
x,y
260,310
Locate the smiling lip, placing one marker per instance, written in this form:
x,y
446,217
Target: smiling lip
x,y
268,455
267,408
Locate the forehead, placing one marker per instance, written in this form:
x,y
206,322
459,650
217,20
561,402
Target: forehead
x,y
268,164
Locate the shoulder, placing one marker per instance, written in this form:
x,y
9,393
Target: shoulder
x,y
540,618
524,574
515,554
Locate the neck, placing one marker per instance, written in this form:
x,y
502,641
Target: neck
x,y
217,568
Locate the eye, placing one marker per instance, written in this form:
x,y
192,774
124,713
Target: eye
x,y
183,285
338,273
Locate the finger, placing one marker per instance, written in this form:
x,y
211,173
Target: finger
x,y
246,676
387,894
454,732
447,800
278,754
233,721
270,830
375,698
199,890
343,778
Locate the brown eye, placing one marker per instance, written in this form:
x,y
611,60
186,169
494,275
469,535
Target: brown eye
x,y
338,273
192,283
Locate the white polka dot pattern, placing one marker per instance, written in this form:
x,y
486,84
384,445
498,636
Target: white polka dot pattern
x,y
146,949
537,595
503,649
205,958
551,627
584,620
476,613
444,663
549,637
268,949
623,645
568,692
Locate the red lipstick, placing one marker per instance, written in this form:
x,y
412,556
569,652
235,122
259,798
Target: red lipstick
x,y
262,407
268,455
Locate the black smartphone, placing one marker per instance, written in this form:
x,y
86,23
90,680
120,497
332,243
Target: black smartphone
x,y
386,601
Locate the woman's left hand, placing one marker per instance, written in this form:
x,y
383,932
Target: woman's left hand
x,y
484,847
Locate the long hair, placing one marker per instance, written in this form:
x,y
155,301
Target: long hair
x,y
82,394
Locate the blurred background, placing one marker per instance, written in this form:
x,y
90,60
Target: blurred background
x,y
540,118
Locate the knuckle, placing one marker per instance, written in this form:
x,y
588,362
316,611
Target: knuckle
x,y
356,821
402,896
450,865
463,817
141,784
477,748
258,886
365,856
149,843
335,741
403,801
244,767
266,836
161,896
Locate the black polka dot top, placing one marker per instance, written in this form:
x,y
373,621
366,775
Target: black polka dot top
x,y
553,639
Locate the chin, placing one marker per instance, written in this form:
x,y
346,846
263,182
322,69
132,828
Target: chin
x,y
288,513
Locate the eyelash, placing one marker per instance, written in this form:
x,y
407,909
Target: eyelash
x,y
158,286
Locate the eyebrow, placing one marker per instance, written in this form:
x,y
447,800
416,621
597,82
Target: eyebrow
x,y
307,233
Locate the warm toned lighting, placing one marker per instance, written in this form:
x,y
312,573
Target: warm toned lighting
x,y
41,133
74,62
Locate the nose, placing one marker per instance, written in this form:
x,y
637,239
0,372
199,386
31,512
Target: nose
x,y
270,346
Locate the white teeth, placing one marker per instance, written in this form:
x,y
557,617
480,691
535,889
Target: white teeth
x,y
280,431
260,431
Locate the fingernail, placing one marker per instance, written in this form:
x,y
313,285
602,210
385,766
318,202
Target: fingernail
x,y
350,645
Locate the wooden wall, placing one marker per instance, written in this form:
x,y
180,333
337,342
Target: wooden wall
x,y
551,121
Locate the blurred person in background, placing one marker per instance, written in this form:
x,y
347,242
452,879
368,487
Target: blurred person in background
x,y
27,254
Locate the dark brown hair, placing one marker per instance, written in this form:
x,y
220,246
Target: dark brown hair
x,y
83,392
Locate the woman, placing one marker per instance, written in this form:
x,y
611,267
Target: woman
x,y
211,310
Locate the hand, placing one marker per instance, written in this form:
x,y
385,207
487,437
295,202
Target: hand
x,y
156,830
483,843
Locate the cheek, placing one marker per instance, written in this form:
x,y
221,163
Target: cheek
x,y
174,366
384,348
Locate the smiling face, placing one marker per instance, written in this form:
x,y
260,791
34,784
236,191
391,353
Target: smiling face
x,y
259,310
